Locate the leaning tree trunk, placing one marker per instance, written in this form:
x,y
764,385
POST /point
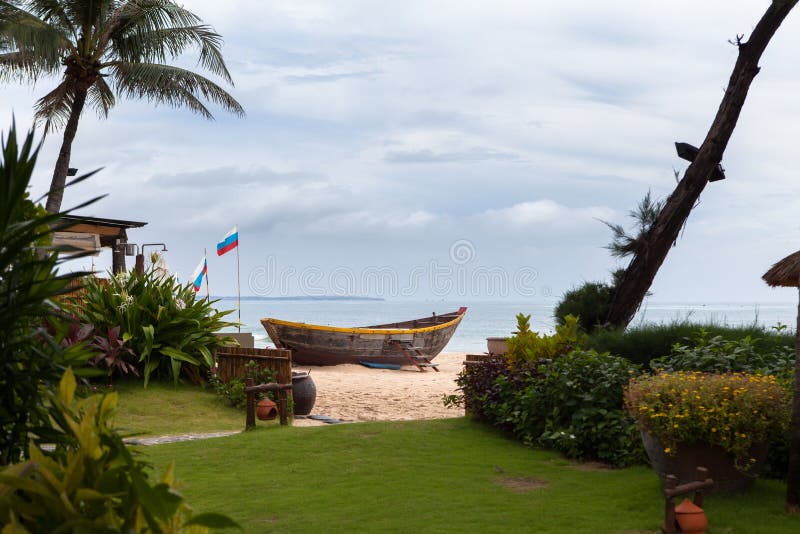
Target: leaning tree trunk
x,y
56,194
664,232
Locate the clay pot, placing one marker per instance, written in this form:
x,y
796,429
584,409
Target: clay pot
x,y
691,518
266,410
304,392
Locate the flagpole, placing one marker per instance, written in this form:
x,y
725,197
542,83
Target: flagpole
x,y
239,281
205,259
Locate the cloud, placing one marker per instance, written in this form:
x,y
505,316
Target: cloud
x,y
475,154
329,77
545,216
427,123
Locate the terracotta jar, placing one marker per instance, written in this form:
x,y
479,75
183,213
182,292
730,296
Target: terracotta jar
x,y
691,518
266,410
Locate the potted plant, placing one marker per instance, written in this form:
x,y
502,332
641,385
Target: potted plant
x,y
719,421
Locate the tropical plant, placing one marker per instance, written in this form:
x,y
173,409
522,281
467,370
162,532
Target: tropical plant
x,y
91,481
527,345
29,283
106,347
731,410
162,321
105,49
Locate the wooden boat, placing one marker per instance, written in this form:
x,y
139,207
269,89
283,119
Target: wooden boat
x,y
330,345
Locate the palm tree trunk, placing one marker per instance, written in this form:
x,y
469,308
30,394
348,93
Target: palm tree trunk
x,y
642,269
56,194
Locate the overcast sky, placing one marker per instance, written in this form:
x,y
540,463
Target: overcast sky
x,y
432,149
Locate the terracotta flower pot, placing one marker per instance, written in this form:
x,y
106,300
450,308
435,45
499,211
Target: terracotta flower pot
x,y
720,464
266,410
691,518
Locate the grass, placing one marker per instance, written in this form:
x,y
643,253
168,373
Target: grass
x,y
452,475
165,409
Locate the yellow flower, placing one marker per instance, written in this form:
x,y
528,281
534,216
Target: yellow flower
x,y
668,450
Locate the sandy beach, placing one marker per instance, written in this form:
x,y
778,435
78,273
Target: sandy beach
x,y
356,393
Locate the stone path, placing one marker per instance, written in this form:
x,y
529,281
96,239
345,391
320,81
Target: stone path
x,y
157,440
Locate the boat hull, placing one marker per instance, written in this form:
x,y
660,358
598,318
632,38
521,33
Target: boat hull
x,y
323,345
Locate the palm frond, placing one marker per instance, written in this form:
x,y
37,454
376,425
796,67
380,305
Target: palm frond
x,y
161,44
30,46
101,97
53,12
53,109
176,87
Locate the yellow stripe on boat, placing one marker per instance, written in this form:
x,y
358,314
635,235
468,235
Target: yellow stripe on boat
x,y
384,331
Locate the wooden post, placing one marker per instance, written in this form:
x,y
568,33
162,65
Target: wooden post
x,y
702,475
250,421
283,406
118,253
251,390
672,490
140,264
669,506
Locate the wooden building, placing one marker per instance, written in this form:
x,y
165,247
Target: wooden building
x,y
111,233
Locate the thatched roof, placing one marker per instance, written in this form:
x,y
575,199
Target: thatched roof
x,y
785,273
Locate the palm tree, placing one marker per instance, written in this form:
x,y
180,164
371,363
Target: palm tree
x,y
107,48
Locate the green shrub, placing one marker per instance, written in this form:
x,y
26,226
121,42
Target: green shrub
x,y
573,403
29,284
233,391
715,354
582,406
590,302
641,344
91,482
161,320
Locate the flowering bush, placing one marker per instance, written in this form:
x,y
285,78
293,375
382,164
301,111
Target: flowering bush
x,y
732,410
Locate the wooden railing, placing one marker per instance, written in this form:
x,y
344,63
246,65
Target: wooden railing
x,y
232,362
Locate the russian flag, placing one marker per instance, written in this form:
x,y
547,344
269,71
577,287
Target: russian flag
x,y
229,242
197,275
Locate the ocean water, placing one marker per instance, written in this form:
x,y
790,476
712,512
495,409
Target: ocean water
x,y
484,318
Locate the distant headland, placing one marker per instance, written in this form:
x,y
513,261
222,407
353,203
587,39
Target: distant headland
x,y
325,297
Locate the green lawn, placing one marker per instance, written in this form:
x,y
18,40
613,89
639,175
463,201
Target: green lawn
x,y
165,409
451,475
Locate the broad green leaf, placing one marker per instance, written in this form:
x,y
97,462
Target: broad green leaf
x,y
160,500
66,387
176,354
21,470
